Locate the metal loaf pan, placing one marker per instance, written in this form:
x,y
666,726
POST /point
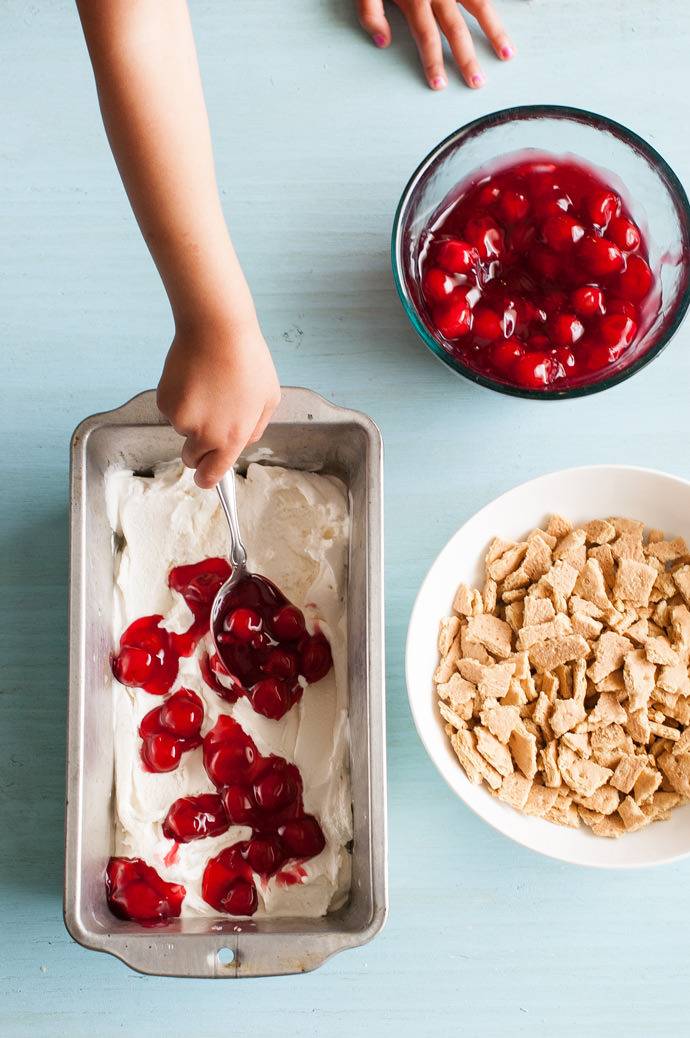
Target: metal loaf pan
x,y
307,432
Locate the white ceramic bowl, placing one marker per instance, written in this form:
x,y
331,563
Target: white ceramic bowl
x,y
596,491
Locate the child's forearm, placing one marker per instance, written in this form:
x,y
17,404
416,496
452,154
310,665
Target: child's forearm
x,y
153,109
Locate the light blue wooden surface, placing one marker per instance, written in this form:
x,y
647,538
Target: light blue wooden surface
x,y
316,133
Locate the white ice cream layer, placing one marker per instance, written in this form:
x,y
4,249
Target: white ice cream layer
x,y
295,526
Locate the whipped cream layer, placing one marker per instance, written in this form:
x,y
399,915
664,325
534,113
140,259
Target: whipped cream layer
x,y
295,526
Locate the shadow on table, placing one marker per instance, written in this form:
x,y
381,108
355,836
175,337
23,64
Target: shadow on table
x,y
33,700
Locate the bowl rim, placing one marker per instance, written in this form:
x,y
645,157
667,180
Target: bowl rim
x,y
423,709
526,112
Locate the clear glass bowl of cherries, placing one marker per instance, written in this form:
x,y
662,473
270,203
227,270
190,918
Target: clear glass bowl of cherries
x,y
542,251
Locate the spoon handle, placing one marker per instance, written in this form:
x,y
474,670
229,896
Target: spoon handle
x,y
228,499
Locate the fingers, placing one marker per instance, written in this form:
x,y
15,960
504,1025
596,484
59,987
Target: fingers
x,y
212,467
373,20
425,32
492,27
427,19
460,41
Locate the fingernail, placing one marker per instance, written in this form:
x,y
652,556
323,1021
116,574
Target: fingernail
x,y
438,83
379,39
508,51
478,80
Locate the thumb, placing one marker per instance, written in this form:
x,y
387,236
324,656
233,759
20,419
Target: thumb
x,y
373,20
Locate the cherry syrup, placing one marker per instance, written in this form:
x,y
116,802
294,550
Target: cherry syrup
x,y
536,275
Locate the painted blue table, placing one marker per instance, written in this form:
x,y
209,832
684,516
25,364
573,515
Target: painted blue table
x,y
316,133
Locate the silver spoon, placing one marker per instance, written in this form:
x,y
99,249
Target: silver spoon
x,y
237,554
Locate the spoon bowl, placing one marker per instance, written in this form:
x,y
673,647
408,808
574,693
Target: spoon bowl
x,y
237,555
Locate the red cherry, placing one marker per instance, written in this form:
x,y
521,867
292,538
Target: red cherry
x,y
303,837
266,854
486,324
588,301
240,806
534,370
561,231
230,756
133,666
161,752
624,234
617,331
488,195
227,883
280,788
484,234
566,329
148,657
636,280
288,623
437,285
615,305
200,582
513,206
194,818
271,698
504,354
601,207
280,663
594,357
242,624
565,359
454,319
182,714
134,890
456,257
316,659
599,256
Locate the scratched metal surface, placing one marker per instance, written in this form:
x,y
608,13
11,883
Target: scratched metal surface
x,y
315,134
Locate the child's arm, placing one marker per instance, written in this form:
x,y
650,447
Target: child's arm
x,y
427,19
218,387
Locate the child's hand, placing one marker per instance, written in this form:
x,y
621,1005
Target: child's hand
x,y
427,19
218,389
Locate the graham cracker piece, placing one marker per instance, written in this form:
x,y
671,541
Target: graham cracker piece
x,y
681,578
599,531
676,768
667,551
447,633
549,655
523,746
583,776
610,826
633,817
514,790
493,633
639,676
634,581
609,653
628,770
467,601
604,800
493,751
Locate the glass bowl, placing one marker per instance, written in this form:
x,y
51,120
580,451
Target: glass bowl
x,y
656,200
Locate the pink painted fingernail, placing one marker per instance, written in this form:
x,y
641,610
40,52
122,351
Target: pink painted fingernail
x,y
379,39
438,83
508,51
478,80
